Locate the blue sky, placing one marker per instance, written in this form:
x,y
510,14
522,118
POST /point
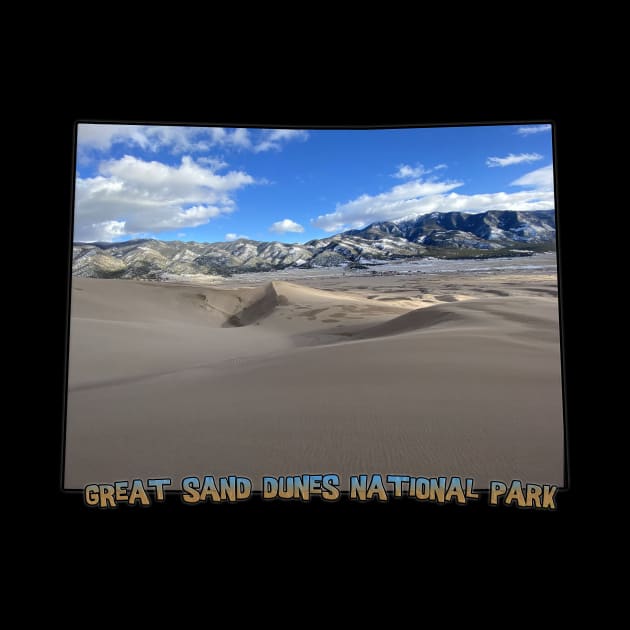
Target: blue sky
x,y
210,184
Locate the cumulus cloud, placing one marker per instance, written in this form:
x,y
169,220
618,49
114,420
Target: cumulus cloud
x,y
177,140
532,129
511,159
405,171
103,231
286,225
130,196
540,179
231,236
416,198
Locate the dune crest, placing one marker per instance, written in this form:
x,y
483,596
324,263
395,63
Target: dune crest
x,y
426,375
259,303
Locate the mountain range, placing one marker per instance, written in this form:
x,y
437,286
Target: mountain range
x,y
439,235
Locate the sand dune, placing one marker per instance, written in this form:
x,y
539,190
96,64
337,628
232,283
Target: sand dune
x,y
280,378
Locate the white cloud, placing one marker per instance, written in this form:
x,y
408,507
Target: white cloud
x,y
405,171
100,136
531,129
511,159
215,164
156,137
178,140
540,179
239,137
416,198
399,201
286,225
107,230
131,196
273,138
231,236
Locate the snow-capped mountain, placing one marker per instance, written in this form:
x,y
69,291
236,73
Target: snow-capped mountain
x,y
440,234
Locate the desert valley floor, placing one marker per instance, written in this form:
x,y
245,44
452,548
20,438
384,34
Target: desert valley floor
x,y
440,368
